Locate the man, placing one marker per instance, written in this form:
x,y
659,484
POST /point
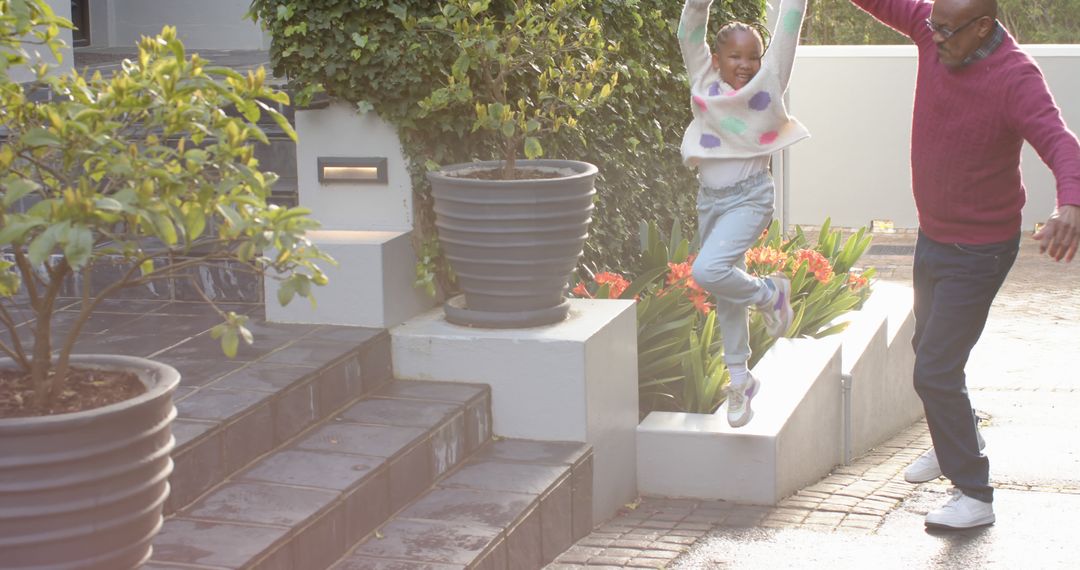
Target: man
x,y
977,98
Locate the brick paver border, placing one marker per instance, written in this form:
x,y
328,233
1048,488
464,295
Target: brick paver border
x,y
853,499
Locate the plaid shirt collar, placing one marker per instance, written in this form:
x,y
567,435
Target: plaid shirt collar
x,y
988,47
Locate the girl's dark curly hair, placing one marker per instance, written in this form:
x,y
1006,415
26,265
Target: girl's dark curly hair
x,y
736,26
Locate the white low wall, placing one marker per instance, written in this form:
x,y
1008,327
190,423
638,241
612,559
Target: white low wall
x,y
201,24
62,8
804,424
857,102
878,360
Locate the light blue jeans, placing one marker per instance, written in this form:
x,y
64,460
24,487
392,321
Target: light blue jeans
x,y
730,220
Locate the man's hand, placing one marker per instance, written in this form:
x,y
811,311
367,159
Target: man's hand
x,y
1061,234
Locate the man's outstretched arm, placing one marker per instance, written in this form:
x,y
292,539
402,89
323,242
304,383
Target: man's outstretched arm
x,y
1038,119
904,16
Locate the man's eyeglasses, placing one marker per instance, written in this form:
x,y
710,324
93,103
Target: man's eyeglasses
x,y
946,33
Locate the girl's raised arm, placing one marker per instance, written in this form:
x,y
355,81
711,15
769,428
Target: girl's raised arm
x,y
785,38
693,29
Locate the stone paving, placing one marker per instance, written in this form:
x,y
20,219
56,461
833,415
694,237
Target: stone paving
x,y
853,499
869,501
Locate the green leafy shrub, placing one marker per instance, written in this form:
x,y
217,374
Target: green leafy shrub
x,y
363,51
143,169
526,73
680,353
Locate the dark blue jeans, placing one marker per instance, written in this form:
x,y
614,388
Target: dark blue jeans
x,y
954,287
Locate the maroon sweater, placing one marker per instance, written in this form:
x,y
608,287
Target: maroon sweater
x,y
968,128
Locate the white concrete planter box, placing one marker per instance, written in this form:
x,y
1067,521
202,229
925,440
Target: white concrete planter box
x,y
805,421
575,380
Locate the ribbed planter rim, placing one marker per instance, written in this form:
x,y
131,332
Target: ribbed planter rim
x,y
582,170
104,361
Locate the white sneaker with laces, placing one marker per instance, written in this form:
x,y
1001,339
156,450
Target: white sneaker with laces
x,y
961,511
926,467
777,313
739,412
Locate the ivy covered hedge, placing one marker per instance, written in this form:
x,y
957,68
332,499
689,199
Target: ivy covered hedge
x,y
363,51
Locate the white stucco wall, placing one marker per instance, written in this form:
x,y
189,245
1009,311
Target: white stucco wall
x,y
857,101
63,9
202,24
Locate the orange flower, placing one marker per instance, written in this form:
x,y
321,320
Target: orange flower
x,y
764,260
616,283
700,301
816,264
680,276
683,273
581,291
678,272
856,282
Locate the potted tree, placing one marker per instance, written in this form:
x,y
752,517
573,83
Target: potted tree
x,y
146,173
512,230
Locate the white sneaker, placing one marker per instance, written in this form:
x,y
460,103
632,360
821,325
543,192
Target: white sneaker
x,y
926,467
961,511
739,412
778,314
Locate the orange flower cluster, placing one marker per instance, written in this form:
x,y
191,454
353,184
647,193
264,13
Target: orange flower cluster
x,y
856,282
616,283
681,275
764,260
817,264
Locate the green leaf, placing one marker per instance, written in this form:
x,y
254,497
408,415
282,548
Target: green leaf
x,y
230,342
163,228
533,149
42,246
399,11
40,137
17,188
10,281
108,204
196,155
79,246
15,230
286,292
194,222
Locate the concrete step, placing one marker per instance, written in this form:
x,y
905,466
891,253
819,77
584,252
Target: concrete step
x,y
515,505
231,412
305,503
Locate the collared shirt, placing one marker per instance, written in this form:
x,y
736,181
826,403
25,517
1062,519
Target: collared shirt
x,y
988,47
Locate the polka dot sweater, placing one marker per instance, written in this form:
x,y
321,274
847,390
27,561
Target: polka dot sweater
x,y
968,127
747,122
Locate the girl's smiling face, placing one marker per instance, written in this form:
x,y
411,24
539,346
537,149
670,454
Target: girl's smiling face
x,y
739,58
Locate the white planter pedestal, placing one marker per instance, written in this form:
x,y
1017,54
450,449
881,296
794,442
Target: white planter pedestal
x,y
571,381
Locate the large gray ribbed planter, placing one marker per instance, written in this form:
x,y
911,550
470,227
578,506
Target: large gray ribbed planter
x,y
512,243
85,490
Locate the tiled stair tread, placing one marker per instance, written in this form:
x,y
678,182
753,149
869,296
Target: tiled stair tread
x,y
511,506
303,504
228,421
